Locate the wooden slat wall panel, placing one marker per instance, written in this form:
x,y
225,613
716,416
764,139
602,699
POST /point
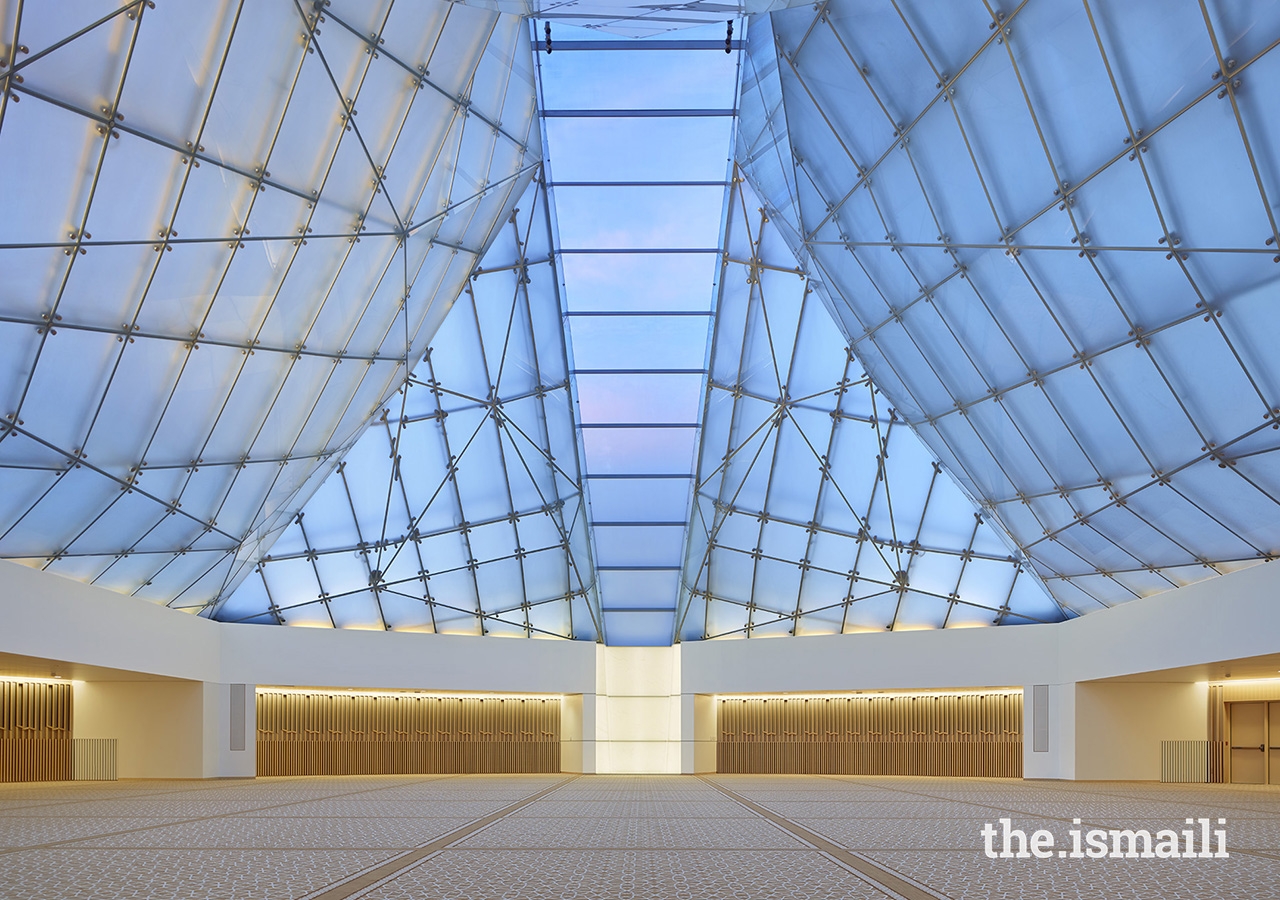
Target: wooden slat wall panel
x,y
35,759
948,734
35,731
93,759
34,709
1195,762
304,733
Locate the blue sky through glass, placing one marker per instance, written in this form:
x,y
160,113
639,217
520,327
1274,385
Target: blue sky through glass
x,y
638,148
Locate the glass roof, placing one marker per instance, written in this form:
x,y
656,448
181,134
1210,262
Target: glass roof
x,y
1050,237
889,317
460,508
229,228
818,510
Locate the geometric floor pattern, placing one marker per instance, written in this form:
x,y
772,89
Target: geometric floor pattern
x,y
554,836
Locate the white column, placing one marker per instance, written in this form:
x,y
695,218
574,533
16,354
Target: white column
x,y
230,730
699,731
638,710
578,733
1056,714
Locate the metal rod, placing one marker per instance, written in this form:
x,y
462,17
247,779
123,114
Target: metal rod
x,y
630,45
638,113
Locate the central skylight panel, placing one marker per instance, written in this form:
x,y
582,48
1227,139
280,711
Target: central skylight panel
x,y
638,138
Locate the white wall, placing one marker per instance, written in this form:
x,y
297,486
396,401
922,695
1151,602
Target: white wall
x,y
1119,726
952,658
167,729
1229,617
158,725
56,618
577,751
327,657
640,706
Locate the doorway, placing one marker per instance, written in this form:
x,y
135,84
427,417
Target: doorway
x,y
1255,742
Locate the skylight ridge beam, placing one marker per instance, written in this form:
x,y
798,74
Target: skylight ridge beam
x,y
639,371
637,424
576,184
630,45
638,113
617,313
654,568
628,251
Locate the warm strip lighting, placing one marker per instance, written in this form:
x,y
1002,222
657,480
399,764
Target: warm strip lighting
x,y
1226,682
439,695
22,679
854,695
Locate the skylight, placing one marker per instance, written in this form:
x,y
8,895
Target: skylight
x,y
638,144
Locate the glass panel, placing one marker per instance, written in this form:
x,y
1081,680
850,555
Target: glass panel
x,y
639,149
640,499
639,398
618,545
639,590
630,451
648,79
639,629
633,218
631,281
639,342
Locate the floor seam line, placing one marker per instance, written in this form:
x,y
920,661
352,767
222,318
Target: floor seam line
x,y
361,882
883,878
54,845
